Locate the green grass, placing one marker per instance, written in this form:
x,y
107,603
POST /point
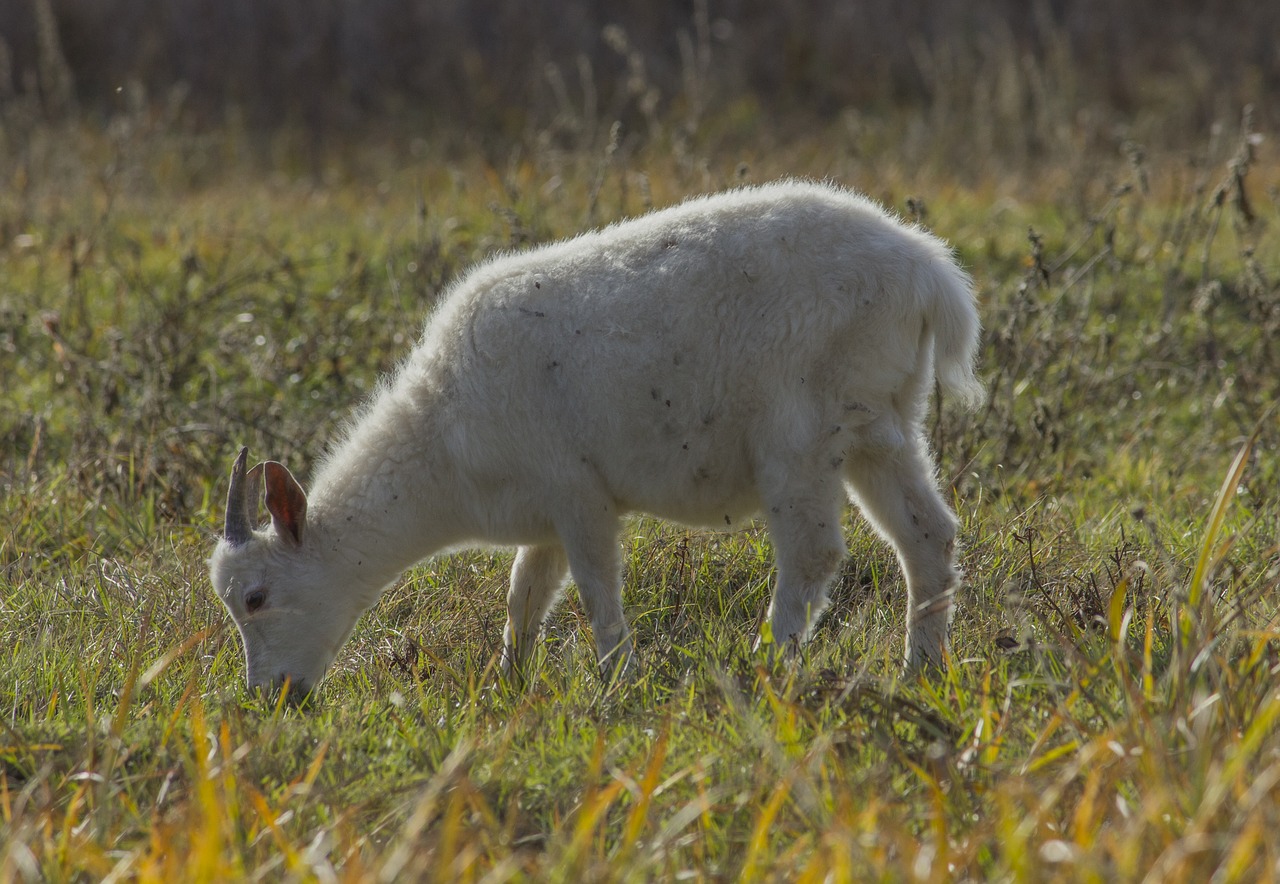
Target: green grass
x,y
1109,712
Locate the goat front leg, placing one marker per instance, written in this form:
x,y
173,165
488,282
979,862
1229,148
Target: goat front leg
x,y
804,526
537,579
591,543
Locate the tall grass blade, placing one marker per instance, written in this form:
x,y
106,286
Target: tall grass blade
x,y
758,846
1218,515
1193,620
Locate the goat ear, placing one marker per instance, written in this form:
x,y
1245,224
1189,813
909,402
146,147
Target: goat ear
x,y
286,502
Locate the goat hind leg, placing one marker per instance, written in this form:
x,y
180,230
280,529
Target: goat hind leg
x,y
897,493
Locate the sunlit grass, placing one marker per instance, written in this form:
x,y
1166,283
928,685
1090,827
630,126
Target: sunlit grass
x,y
1108,712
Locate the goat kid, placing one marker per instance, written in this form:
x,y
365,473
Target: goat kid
x,y
766,350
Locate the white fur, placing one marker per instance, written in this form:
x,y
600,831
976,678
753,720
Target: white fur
x,y
770,349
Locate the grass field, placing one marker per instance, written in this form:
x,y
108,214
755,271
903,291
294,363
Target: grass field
x,y
1109,712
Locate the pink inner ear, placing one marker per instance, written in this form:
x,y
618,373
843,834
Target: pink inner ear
x,y
286,501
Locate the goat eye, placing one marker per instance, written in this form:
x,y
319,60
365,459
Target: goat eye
x,y
255,600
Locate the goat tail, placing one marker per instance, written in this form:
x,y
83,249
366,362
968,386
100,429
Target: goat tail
x,y
951,315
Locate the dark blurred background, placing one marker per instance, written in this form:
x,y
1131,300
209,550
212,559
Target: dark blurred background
x,y
505,65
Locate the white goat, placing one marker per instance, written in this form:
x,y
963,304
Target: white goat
x,y
767,349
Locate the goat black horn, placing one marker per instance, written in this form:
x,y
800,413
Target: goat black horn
x,y
239,524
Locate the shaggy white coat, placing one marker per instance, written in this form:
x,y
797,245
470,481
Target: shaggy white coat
x,y
766,350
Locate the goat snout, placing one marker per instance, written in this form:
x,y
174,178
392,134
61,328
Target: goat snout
x,y
296,689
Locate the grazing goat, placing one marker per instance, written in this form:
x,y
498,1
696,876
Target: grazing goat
x,y
766,350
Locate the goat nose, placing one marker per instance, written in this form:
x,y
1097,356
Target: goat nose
x,y
295,689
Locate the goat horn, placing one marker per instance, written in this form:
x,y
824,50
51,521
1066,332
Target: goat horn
x,y
239,524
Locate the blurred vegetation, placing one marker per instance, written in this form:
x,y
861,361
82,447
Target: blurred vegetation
x,y
1040,76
